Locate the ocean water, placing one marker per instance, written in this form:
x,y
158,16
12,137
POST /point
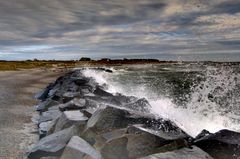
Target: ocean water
x,y
195,96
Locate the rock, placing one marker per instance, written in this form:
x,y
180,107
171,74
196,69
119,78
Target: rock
x,y
44,93
80,81
111,100
105,120
114,134
184,153
226,136
52,145
70,118
125,99
75,104
68,96
49,115
115,149
98,91
221,145
43,106
142,142
172,134
102,121
141,105
46,128
77,148
204,133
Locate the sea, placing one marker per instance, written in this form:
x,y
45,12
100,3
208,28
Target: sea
x,y
193,95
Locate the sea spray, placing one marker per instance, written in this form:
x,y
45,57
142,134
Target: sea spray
x,y
211,103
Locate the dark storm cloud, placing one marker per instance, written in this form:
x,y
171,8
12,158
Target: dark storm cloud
x,y
116,28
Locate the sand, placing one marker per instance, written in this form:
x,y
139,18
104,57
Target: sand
x,y
17,90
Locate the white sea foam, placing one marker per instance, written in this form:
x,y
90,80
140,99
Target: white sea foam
x,y
200,112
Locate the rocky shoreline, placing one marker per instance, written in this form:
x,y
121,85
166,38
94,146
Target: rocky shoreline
x,y
80,120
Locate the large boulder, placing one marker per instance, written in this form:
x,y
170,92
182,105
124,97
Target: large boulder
x,y
43,95
77,148
52,145
46,128
43,106
100,92
49,115
164,133
74,104
115,149
184,153
70,118
142,142
220,145
105,120
141,105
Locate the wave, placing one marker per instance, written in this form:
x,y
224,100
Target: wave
x,y
213,103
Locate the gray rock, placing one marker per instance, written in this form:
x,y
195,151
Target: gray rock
x,y
49,115
142,142
226,136
68,96
220,145
53,144
105,120
44,93
141,105
70,118
184,153
115,149
77,148
43,106
100,92
76,103
46,127
167,135
80,80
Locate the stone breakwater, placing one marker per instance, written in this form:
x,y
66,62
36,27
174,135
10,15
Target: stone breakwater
x,y
78,119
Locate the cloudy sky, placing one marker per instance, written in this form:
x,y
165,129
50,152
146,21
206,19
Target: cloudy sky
x,y
164,29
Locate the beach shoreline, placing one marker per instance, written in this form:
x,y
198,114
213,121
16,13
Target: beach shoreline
x,y
17,90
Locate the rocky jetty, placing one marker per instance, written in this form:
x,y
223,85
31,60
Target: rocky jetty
x,y
78,119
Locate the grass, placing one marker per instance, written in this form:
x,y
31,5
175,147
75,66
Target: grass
x,y
18,65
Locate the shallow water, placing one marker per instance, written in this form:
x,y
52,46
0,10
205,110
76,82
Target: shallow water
x,y
195,96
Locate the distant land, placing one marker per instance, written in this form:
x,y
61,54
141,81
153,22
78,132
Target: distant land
x,y
84,61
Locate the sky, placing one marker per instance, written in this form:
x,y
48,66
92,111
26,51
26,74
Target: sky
x,y
164,29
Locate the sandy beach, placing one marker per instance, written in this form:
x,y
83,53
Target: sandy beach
x,y
17,90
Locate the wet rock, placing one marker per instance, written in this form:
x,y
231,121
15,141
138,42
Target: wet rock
x,y
77,148
141,105
125,99
164,133
184,153
75,104
142,142
52,145
80,81
226,136
100,92
221,145
70,118
115,149
111,100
